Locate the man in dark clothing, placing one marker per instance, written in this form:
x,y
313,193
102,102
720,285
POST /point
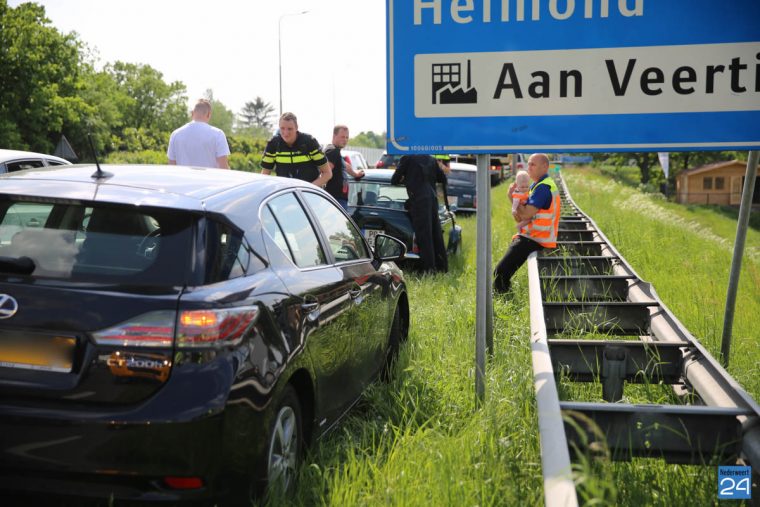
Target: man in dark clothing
x,y
341,170
420,173
294,154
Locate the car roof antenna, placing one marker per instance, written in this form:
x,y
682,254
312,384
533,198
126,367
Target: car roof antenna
x,y
99,173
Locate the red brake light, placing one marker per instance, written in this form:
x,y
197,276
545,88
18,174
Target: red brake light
x,y
184,482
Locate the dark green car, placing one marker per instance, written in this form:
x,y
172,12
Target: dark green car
x,y
378,207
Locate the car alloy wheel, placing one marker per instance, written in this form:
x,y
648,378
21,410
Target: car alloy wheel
x,y
284,443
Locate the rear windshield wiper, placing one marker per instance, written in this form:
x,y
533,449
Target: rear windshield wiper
x,y
17,265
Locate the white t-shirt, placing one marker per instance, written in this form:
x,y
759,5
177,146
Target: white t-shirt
x,y
197,144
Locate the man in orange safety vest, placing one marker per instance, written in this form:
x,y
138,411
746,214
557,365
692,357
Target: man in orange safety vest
x,y
542,210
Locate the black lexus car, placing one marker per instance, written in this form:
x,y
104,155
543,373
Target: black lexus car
x,y
379,207
172,334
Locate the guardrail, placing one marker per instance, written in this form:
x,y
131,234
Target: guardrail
x,y
593,319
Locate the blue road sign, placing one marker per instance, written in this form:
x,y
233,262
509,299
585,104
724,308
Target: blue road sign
x,y
489,76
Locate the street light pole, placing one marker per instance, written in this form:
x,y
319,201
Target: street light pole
x,y
279,48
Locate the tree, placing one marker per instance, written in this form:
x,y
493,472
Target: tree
x,y
41,79
256,114
369,140
149,102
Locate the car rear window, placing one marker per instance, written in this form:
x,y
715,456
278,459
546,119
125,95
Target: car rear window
x,y
459,177
95,242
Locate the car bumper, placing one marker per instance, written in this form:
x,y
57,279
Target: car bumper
x,y
128,453
103,460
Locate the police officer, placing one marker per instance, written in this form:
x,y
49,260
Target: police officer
x,y
542,210
420,173
294,154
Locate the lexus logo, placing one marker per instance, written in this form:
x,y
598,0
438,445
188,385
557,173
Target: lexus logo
x,y
8,306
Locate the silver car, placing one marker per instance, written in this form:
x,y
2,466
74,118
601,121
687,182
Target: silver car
x,y
12,160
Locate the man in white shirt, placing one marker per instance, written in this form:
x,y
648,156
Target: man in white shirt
x,y
197,143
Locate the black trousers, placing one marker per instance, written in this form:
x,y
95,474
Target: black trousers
x,y
428,233
516,255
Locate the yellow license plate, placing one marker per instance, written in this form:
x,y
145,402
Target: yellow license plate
x,y
50,354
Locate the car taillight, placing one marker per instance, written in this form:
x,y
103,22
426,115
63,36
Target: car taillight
x,y
153,329
415,248
194,328
475,202
203,328
184,482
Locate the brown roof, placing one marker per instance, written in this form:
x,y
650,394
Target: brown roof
x,y
710,167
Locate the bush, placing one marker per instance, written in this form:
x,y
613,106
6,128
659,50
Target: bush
x,y
246,145
137,157
245,162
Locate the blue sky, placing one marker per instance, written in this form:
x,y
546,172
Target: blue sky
x,y
333,57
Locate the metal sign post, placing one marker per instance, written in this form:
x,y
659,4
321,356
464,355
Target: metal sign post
x,y
736,263
483,298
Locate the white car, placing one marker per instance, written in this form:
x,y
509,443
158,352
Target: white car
x,y
356,159
12,160
520,162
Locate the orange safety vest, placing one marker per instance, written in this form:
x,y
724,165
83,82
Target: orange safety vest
x,y
523,196
544,226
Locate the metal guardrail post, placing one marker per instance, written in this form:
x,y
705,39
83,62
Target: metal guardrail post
x,y
736,263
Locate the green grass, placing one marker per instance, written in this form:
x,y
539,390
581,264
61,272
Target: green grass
x,y
421,439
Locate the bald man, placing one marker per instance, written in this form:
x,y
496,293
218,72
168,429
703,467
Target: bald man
x,y
542,213
198,143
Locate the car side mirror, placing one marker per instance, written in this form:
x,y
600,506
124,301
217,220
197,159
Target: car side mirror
x,y
388,248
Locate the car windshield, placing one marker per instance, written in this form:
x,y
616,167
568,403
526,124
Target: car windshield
x,y
95,242
462,177
381,195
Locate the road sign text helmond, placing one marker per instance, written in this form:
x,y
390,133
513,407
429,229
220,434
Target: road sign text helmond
x,y
487,11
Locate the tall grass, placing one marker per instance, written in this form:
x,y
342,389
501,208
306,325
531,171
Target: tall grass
x,y
421,440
